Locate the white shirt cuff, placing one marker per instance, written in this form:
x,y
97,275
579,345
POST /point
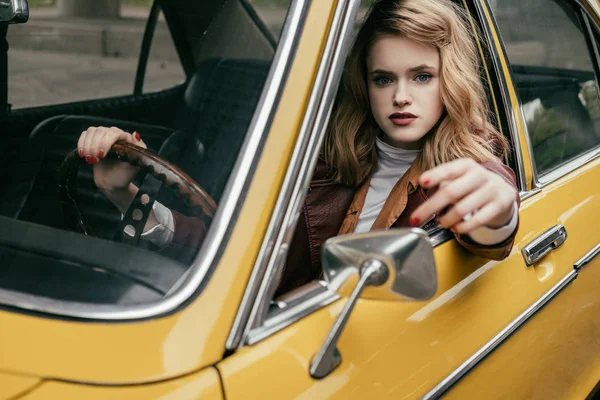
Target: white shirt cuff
x,y
162,234
490,236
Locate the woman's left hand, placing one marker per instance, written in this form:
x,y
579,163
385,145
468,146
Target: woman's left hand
x,y
466,187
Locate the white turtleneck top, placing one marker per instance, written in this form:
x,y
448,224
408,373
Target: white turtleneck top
x,y
392,163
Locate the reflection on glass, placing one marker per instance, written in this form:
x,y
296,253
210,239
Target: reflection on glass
x,y
562,118
555,78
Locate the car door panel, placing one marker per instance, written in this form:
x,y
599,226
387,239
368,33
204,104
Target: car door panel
x,y
392,349
556,354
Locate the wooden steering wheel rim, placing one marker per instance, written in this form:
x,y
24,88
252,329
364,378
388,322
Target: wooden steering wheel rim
x,y
171,176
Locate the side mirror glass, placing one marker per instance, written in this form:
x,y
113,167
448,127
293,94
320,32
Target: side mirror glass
x,y
388,265
14,11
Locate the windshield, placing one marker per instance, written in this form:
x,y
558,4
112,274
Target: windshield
x,y
123,125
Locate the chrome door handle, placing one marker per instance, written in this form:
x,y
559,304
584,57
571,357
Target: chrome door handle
x,y
544,244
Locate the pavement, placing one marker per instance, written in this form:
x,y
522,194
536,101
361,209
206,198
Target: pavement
x,y
54,60
39,78
46,30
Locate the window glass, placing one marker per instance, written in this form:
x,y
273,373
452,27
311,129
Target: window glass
x,y
202,127
73,50
271,13
553,69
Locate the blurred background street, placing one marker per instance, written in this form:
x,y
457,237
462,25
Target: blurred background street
x,y
60,56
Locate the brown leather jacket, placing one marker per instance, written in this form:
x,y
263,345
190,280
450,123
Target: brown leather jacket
x,y
332,209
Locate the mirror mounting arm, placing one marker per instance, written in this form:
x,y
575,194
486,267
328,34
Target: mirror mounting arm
x,y
14,11
372,273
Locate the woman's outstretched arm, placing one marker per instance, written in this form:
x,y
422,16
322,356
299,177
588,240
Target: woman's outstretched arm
x,y
481,203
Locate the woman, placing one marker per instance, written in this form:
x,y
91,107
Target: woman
x,y
409,144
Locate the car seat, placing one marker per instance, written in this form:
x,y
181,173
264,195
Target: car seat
x,y
211,125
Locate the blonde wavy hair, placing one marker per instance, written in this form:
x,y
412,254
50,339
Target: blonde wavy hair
x,y
463,130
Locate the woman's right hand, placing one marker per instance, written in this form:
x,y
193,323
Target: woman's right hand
x,y
111,176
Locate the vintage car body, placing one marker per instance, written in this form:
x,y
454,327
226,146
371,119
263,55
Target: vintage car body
x,y
493,330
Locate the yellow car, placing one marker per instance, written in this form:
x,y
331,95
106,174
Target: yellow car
x,y
242,90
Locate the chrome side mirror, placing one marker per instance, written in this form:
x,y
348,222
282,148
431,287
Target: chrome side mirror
x,y
14,11
388,265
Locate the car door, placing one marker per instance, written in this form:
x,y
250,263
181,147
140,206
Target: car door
x,y
555,80
423,349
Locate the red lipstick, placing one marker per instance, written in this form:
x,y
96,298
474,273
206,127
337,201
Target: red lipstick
x,y
402,119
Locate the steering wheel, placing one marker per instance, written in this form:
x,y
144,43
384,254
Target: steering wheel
x,y
195,197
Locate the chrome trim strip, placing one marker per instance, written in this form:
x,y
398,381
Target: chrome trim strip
x,y
567,168
233,197
252,314
497,340
501,79
531,193
440,237
312,297
585,260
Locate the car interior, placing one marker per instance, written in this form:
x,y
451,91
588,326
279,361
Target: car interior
x,y
199,126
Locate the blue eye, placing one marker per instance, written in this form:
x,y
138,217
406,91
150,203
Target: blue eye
x,y
382,80
423,78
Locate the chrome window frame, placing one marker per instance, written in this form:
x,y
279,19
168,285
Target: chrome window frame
x,y
194,280
503,86
252,320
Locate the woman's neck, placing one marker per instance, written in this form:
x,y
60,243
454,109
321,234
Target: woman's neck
x,y
389,154
418,145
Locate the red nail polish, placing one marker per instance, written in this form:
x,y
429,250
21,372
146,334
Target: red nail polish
x,y
88,159
100,153
426,182
81,153
93,160
137,136
414,221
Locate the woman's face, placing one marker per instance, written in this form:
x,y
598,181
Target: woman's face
x,y
404,89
